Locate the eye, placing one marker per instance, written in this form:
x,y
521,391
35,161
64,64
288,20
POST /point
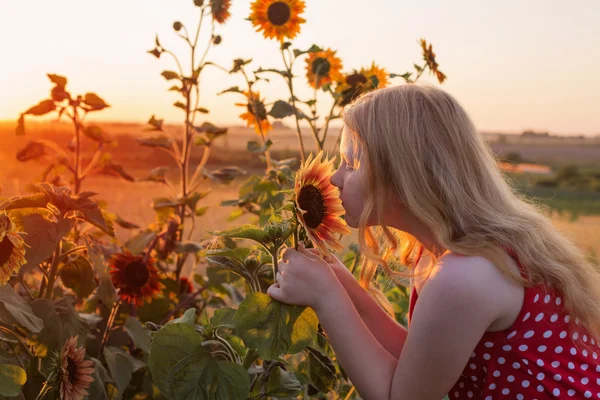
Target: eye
x,y
347,165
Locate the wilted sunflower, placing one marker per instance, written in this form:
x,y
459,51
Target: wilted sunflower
x,y
277,18
256,113
137,279
73,373
12,248
220,10
429,57
322,67
377,78
351,86
318,203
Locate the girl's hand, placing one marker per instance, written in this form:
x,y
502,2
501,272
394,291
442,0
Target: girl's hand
x,y
336,265
303,279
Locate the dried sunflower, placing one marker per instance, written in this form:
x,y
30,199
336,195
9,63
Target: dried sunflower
x,y
220,10
256,114
136,278
318,203
322,67
12,248
429,57
277,18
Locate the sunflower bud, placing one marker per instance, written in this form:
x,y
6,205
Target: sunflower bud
x,y
217,39
177,26
198,3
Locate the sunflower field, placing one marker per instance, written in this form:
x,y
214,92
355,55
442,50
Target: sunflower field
x,y
86,316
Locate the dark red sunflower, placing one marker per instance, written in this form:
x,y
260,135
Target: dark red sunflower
x,y
137,279
220,10
429,57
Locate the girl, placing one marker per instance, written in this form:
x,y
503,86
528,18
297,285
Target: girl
x,y
502,305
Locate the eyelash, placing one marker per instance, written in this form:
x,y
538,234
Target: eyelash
x,y
348,166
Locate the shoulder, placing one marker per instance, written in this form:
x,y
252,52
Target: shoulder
x,y
473,282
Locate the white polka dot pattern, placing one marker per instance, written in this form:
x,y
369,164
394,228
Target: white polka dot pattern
x,y
542,354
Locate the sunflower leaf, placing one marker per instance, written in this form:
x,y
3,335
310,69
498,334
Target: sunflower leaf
x,y
32,150
182,369
138,333
281,109
120,367
94,102
283,384
156,124
16,306
246,231
157,141
321,369
12,379
274,328
42,108
36,200
79,276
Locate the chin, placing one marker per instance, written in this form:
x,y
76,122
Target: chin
x,y
350,221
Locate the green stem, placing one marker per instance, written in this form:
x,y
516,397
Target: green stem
x,y
296,237
273,253
44,391
21,342
109,324
53,270
291,87
249,358
77,176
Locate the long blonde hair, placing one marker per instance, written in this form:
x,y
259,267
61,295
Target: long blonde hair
x,y
420,146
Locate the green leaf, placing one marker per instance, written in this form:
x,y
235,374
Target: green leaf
x,y
156,141
42,108
201,211
138,334
94,132
16,306
223,317
233,89
106,290
225,174
321,370
58,80
42,237
274,328
120,367
79,276
188,317
36,200
168,75
182,369
112,168
188,247
138,243
95,102
125,224
97,390
12,378
202,110
94,216
257,148
281,109
179,104
283,383
247,231
32,150
155,123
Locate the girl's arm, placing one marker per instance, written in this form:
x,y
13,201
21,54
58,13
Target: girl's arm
x,y
456,305
388,332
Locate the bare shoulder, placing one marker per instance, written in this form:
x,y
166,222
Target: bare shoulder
x,y
475,281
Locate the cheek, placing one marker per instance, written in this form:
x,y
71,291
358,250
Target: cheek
x,y
353,199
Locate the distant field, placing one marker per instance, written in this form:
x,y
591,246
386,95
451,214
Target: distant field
x,y
132,201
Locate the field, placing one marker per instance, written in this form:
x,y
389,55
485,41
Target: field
x,y
133,200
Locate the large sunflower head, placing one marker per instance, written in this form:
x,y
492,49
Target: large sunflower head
x,y
74,374
277,18
220,10
136,278
256,113
12,248
429,57
322,67
318,203
376,77
351,86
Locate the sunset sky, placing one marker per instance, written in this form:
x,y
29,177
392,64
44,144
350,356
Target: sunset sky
x,y
513,64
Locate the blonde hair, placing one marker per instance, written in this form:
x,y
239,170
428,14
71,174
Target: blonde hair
x,y
420,146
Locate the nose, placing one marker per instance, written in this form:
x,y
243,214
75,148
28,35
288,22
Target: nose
x,y
336,179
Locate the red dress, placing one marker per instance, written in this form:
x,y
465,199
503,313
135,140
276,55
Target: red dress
x,y
543,355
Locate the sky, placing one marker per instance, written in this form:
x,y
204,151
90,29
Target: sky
x,y
512,64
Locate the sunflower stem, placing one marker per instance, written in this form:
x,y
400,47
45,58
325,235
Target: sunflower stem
x,y
111,320
44,391
249,358
296,237
273,252
291,87
53,270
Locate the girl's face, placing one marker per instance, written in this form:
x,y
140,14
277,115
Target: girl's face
x,y
350,180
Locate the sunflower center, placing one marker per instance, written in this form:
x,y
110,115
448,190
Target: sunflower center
x,y
71,369
374,81
356,79
311,201
137,273
6,250
279,13
321,67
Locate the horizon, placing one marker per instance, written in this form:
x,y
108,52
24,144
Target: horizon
x,y
508,64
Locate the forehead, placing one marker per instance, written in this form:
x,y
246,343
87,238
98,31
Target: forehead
x,y
348,143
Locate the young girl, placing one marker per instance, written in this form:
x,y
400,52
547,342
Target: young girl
x,y
502,305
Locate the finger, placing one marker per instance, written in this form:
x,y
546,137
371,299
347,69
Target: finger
x,y
279,277
275,292
286,254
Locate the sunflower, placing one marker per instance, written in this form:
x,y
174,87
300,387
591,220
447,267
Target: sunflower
x,y
12,248
220,10
322,67
277,18
137,278
351,86
73,372
429,57
319,207
256,111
